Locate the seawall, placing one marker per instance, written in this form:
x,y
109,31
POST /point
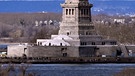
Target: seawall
x,y
66,60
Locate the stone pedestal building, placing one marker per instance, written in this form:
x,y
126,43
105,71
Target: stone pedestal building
x,y
77,30
77,36
76,23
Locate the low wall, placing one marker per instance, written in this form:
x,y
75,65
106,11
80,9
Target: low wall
x,y
42,51
15,51
108,50
66,51
87,51
52,51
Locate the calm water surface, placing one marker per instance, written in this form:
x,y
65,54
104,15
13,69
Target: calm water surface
x,y
77,69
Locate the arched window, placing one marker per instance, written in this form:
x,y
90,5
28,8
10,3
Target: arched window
x,y
84,11
72,11
66,11
69,11
103,43
87,11
87,33
49,44
81,11
83,43
60,44
93,43
67,33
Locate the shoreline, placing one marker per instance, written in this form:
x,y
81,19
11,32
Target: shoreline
x,y
67,60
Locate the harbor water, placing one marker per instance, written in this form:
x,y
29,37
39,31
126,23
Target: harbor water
x,y
77,69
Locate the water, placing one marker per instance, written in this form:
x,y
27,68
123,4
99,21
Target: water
x,y
2,46
77,69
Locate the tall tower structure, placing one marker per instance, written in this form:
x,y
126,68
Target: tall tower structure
x,y
76,18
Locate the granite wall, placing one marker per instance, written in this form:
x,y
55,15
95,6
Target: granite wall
x,y
16,50
65,51
42,51
52,51
108,50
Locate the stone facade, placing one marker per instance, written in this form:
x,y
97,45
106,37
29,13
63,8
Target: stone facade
x,y
16,50
61,51
76,19
42,51
107,50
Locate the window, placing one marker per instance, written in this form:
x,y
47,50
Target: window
x,y
39,43
87,33
62,49
81,11
103,43
25,50
87,11
60,44
83,43
49,44
69,11
84,11
93,43
72,11
64,54
66,11
67,33
113,43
